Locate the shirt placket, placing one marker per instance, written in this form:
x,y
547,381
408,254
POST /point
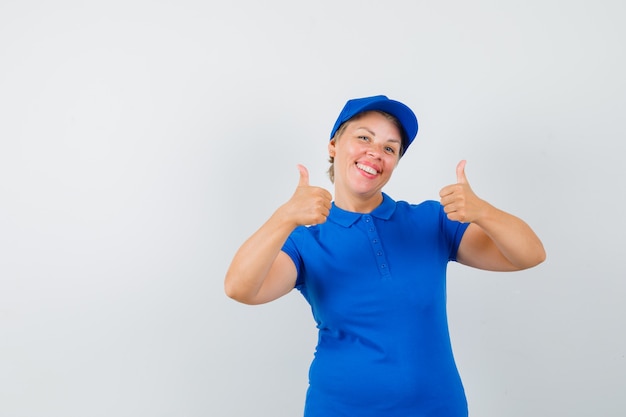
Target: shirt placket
x,y
377,247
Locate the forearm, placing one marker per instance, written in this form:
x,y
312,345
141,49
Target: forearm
x,y
513,237
254,259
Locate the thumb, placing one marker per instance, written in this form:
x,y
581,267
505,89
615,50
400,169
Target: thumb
x,y
460,173
304,176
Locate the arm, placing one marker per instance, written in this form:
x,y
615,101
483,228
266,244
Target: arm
x,y
260,272
495,240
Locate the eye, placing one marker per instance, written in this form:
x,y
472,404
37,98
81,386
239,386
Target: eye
x,y
390,150
364,138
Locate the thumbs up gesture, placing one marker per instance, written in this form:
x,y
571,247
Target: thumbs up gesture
x,y
459,201
308,204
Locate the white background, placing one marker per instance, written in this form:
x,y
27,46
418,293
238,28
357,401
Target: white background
x,y
142,141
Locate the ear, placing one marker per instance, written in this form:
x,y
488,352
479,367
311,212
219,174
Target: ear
x,y
331,148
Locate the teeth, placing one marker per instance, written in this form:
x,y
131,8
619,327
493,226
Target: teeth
x,y
367,169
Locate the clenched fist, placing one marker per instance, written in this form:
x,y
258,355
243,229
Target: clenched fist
x,y
309,204
459,201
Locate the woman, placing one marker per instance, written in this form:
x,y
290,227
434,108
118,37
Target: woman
x,y
373,270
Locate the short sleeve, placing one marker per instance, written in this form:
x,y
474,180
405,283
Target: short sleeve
x,y
290,247
453,232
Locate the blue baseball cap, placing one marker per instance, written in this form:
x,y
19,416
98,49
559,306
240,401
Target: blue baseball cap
x,y
400,111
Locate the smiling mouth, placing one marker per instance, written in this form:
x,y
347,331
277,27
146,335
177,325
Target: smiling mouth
x,y
367,169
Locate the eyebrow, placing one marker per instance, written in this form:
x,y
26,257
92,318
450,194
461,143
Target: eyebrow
x,y
374,134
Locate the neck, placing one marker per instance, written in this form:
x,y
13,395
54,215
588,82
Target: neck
x,y
358,204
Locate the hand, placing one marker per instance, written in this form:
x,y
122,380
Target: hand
x,y
459,201
309,204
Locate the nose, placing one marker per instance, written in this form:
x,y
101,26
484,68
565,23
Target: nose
x,y
375,151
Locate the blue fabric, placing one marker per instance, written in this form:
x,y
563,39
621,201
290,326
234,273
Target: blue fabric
x,y
376,284
400,111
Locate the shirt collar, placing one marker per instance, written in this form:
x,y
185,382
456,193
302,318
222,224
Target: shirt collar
x,y
348,218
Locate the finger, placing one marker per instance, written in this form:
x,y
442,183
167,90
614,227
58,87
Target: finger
x,y
446,200
445,191
449,190
304,176
460,173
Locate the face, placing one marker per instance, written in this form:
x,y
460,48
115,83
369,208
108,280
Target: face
x,y
365,155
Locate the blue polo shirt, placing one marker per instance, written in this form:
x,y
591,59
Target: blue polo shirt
x,y
376,284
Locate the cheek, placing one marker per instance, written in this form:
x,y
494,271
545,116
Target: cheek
x,y
392,163
348,153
